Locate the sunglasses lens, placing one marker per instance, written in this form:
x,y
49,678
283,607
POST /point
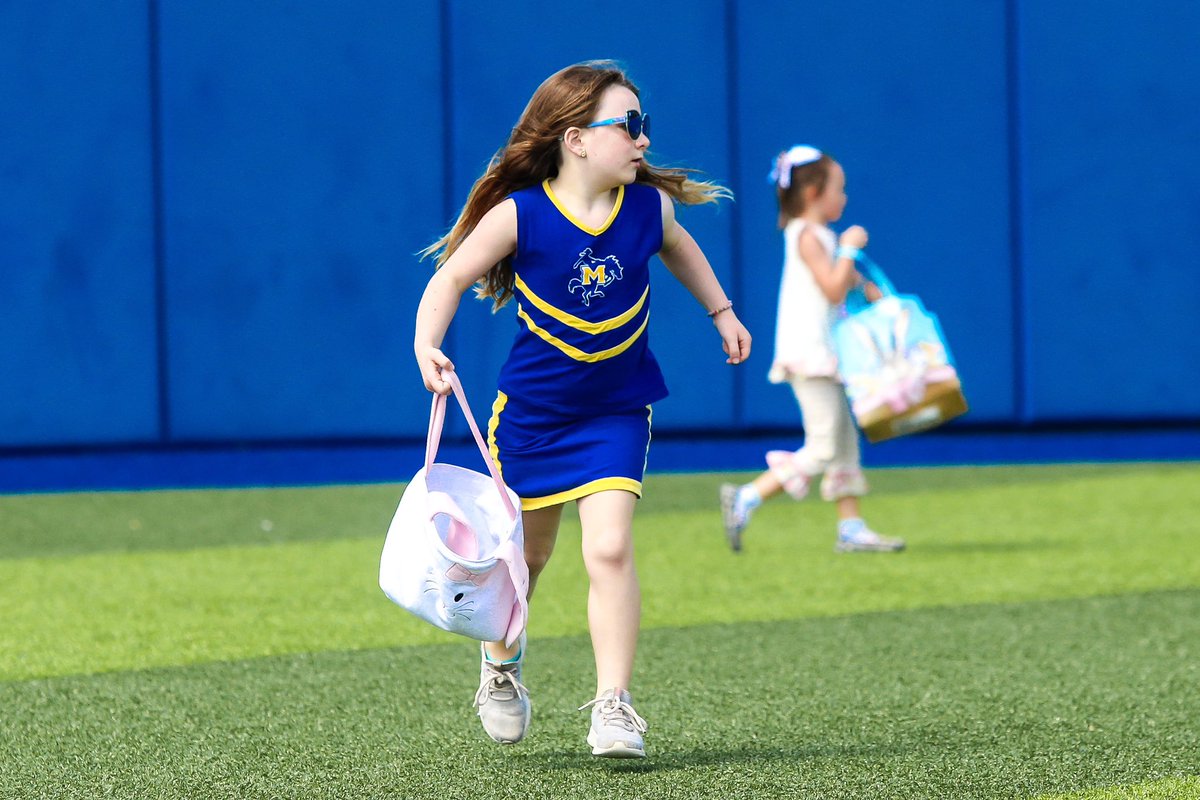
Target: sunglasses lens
x,y
636,124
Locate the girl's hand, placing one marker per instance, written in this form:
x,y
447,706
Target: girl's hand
x,y
735,339
432,362
854,236
872,292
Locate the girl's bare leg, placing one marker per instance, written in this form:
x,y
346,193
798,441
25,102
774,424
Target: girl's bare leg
x,y
847,508
614,596
541,532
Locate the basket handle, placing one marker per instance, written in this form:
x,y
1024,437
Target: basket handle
x,y
875,275
856,299
437,418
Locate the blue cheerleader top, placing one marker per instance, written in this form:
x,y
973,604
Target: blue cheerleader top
x,y
583,304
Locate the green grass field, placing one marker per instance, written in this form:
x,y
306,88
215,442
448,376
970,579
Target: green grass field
x,y
1039,639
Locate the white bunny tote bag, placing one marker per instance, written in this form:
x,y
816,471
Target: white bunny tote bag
x,y
454,554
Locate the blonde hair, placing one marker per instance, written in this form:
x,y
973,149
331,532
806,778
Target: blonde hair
x,y
568,98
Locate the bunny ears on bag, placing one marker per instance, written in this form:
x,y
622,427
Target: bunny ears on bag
x,y
797,156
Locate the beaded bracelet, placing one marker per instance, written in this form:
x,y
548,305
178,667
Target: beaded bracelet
x,y
728,305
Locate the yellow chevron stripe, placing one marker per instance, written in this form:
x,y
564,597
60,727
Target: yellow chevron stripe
x,y
575,322
578,223
575,352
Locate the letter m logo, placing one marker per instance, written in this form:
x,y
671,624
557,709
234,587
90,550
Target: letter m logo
x,y
589,274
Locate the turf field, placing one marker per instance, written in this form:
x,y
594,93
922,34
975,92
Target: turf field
x,y
1039,639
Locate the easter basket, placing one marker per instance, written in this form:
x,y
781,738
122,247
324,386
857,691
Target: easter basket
x,y
898,372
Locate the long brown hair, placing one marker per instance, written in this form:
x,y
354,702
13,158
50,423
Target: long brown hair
x,y
568,98
814,174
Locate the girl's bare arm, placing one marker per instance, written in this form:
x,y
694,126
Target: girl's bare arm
x,y
688,264
494,238
834,277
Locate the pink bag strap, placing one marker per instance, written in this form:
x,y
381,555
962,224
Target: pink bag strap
x,y
437,418
518,573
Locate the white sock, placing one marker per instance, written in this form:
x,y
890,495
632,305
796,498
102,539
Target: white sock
x,y
748,499
851,526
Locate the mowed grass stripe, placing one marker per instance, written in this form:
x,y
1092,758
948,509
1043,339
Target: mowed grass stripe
x,y
138,610
1006,701
75,524
1099,533
1183,788
95,522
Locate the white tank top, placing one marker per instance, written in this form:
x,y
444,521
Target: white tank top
x,y
803,343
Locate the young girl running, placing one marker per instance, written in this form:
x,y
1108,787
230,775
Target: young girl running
x,y
810,187
565,219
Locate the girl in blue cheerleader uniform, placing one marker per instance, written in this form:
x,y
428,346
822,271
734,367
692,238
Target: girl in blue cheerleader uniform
x,y
565,220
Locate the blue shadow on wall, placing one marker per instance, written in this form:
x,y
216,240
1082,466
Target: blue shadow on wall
x,y
382,462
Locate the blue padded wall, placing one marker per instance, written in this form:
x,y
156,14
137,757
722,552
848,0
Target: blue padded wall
x,y
492,81
911,100
1111,166
78,359
302,162
1036,188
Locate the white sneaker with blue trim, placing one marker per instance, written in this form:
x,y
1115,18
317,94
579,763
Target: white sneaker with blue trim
x,y
855,537
617,729
735,516
502,700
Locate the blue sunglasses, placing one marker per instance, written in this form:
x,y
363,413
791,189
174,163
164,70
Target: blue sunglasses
x,y
635,123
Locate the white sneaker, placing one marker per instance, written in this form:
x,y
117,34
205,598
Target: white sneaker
x,y
502,700
735,519
617,729
855,537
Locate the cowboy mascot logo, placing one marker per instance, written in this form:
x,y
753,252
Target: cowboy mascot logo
x,y
594,275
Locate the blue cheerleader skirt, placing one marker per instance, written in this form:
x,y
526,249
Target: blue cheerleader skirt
x,y
548,457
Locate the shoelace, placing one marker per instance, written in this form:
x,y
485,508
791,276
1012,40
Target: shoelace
x,y
615,711
494,685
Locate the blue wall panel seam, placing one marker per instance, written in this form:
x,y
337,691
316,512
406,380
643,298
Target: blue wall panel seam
x,y
448,150
1021,343
735,229
159,225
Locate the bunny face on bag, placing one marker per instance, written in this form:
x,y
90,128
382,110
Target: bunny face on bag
x,y
456,588
456,593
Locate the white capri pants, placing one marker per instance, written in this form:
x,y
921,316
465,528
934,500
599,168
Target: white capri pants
x,y
830,444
